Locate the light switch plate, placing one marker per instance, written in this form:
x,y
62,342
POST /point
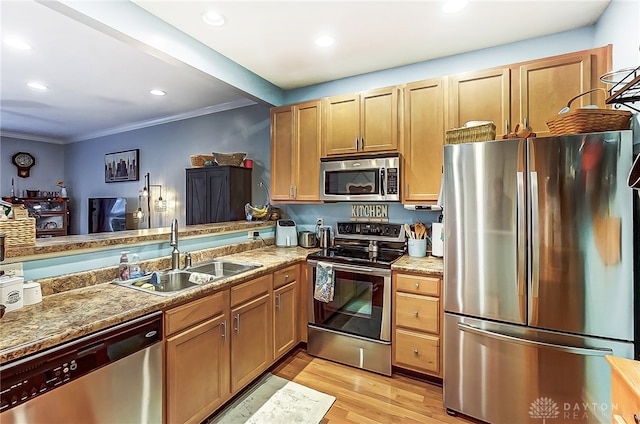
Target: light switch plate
x,y
12,270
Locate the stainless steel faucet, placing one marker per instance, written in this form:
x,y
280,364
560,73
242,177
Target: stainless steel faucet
x,y
175,254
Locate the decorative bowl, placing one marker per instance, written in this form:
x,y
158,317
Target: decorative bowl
x,y
233,159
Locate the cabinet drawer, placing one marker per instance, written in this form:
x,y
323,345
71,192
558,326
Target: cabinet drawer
x,y
417,351
418,284
254,288
194,312
285,276
418,312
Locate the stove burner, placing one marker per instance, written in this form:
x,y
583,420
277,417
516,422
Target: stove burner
x,y
372,244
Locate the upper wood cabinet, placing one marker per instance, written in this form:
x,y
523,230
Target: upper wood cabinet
x,y
423,140
547,85
481,96
295,152
362,122
528,93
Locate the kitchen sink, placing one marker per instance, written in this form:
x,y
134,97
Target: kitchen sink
x,y
223,268
170,283
167,283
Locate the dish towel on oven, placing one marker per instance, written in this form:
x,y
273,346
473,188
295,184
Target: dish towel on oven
x,y
324,282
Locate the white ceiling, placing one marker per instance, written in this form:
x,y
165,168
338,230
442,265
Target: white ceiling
x,y
99,84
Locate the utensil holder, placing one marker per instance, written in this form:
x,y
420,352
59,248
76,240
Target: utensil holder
x,y
417,247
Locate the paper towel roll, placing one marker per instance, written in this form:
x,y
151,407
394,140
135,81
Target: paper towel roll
x,y
437,239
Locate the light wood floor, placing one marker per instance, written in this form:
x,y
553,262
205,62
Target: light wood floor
x,y
364,397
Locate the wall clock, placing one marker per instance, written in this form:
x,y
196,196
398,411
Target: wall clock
x,y
24,161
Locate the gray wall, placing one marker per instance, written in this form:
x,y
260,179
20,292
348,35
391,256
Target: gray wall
x,y
48,170
164,153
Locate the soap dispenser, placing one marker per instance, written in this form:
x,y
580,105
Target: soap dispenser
x,y
123,268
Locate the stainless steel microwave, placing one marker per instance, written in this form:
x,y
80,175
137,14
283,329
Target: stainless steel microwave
x,y
360,179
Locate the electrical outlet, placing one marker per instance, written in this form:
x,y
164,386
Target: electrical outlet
x,y
320,222
12,270
251,235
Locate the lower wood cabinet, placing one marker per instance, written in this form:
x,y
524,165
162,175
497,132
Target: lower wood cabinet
x,y
197,358
625,390
251,331
417,322
285,310
217,345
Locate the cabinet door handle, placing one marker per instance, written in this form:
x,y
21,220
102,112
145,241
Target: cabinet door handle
x,y
415,314
417,285
361,143
237,318
295,192
636,418
506,126
277,302
524,122
224,330
416,352
356,140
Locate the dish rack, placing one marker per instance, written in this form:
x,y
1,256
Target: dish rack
x,y
625,87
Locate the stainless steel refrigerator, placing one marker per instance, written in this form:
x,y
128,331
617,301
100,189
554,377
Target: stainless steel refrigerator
x,y
538,276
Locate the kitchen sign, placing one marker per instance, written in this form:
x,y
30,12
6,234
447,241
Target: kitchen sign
x,y
370,212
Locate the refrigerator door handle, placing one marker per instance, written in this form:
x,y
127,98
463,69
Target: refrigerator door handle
x,y
521,234
535,249
526,342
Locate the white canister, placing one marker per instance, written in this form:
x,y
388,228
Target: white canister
x,y
32,293
417,247
437,239
11,293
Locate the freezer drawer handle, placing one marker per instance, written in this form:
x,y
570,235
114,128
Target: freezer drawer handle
x,y
569,349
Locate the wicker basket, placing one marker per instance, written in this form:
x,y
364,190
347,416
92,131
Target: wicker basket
x,y
233,159
589,120
19,232
484,132
197,161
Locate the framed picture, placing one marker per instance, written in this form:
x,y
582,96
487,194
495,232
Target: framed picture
x,y
121,166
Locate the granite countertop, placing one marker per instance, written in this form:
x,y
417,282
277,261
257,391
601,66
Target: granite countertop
x,y
65,316
71,314
427,265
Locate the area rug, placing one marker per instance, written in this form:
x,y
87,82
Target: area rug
x,y
276,400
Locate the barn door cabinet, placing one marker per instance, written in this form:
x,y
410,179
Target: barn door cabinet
x,y
209,192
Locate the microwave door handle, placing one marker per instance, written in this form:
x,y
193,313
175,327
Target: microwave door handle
x,y
383,182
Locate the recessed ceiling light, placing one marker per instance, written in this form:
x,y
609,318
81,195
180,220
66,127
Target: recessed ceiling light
x,y
157,92
37,86
213,18
18,44
325,41
453,6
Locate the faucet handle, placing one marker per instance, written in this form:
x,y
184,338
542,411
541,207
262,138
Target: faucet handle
x,y
187,260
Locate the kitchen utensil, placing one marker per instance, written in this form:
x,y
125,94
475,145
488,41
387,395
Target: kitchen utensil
x,y
307,239
407,229
421,230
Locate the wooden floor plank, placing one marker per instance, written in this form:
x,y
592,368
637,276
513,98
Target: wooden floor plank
x,y
364,397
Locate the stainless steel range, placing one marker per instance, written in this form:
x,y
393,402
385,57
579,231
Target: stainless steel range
x,y
355,327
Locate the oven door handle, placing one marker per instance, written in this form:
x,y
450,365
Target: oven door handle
x,y
353,268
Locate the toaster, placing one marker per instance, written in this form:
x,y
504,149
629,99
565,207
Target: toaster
x,y
286,233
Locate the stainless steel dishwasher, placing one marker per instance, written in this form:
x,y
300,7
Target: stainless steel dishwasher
x,y
111,376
